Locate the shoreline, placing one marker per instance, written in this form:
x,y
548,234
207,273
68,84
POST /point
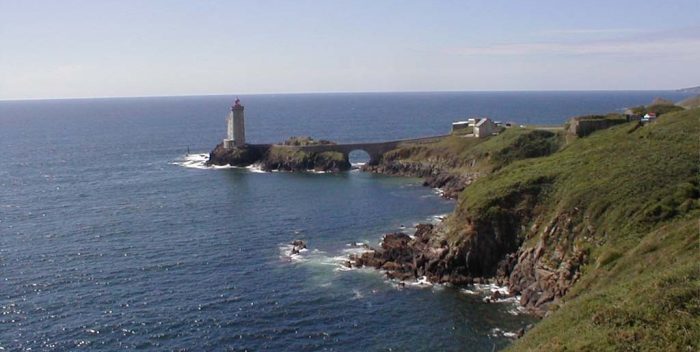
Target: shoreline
x,y
487,291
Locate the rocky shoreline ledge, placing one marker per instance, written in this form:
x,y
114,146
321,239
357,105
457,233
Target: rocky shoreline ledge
x,y
448,183
281,157
426,255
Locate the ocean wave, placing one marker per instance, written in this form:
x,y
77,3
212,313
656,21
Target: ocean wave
x,y
287,253
497,332
194,161
199,161
433,219
517,310
419,283
492,288
437,218
344,261
313,257
319,258
357,294
256,168
504,296
356,248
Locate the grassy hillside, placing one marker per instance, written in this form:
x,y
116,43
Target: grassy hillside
x,y
659,109
628,197
453,162
460,154
690,103
643,298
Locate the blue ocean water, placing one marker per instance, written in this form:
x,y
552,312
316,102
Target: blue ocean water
x,y
108,242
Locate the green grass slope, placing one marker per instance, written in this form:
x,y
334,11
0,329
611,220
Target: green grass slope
x,y
645,299
631,195
659,109
690,103
467,154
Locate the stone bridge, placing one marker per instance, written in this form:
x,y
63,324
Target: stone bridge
x,y
375,150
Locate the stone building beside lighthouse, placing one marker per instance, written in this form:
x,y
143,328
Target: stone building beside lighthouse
x,y
235,127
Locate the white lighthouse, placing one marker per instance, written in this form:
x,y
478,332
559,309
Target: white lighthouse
x,y
235,131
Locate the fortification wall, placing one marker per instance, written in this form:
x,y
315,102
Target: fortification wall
x,y
584,127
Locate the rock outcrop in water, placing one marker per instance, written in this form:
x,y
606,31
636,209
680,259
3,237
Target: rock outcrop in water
x,y
477,257
408,258
297,246
237,156
282,157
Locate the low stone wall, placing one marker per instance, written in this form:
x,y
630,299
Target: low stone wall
x,y
584,127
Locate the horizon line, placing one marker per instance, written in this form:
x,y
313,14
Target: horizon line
x,y
678,90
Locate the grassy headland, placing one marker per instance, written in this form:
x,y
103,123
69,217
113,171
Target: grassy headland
x,y
455,161
598,233
635,194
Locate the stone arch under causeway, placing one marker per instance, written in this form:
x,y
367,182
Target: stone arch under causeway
x,y
358,157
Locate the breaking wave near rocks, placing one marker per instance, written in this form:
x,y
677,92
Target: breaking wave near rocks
x,y
199,161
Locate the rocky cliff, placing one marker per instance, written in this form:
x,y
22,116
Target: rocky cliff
x,y
586,216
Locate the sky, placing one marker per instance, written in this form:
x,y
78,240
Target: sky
x,y
93,48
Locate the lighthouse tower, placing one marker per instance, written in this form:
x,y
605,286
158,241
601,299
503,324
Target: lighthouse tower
x,y
235,131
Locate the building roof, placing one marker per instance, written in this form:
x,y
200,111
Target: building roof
x,y
460,122
482,121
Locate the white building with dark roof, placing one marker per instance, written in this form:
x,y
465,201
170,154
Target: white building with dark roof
x,y
484,128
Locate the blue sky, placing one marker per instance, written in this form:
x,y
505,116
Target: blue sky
x,y
63,49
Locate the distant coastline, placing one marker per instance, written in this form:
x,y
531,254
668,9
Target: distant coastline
x,y
690,90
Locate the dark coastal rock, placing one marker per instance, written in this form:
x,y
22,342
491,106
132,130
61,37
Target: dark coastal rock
x,y
239,156
450,184
284,157
331,162
406,258
435,175
488,250
289,157
392,255
544,273
297,246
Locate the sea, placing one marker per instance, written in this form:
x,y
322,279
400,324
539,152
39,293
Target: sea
x,y
114,234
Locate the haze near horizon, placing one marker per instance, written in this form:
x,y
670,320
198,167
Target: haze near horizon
x,y
75,49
